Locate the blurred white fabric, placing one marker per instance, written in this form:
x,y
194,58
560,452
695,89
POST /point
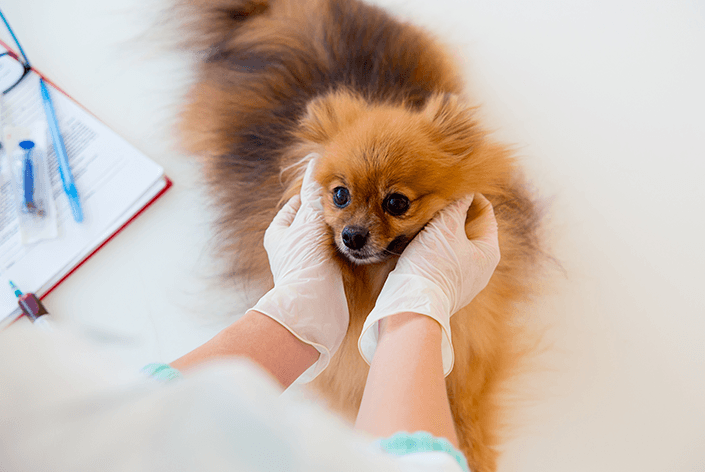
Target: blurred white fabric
x,y
67,408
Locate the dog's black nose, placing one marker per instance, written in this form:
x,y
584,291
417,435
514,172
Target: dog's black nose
x,y
355,237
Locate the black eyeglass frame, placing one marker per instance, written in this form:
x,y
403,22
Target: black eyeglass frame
x,y
24,63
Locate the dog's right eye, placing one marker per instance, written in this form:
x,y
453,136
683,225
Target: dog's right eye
x,y
341,197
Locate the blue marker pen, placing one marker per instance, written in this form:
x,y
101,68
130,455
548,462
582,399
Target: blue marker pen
x,y
61,156
28,176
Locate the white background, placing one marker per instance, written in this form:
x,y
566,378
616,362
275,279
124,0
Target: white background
x,y
605,103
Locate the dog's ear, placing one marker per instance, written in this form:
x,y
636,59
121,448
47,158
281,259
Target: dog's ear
x,y
328,114
452,118
481,165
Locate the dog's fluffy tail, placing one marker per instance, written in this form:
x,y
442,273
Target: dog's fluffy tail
x,y
208,24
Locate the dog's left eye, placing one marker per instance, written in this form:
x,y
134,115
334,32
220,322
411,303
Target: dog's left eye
x,y
341,197
396,204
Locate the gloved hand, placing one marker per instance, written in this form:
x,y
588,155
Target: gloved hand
x,y
438,273
308,297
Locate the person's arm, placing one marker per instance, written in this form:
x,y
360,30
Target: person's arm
x,y
438,273
260,339
406,388
303,319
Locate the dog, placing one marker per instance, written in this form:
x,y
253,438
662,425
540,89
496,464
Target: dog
x,y
382,103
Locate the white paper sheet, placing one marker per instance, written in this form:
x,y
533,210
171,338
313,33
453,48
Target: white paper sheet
x,y
114,181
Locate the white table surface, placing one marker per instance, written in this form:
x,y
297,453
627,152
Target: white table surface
x,y
605,101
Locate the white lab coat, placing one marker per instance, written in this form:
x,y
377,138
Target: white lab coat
x,y
63,407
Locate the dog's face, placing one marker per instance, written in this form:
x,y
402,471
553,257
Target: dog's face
x,y
374,210
386,170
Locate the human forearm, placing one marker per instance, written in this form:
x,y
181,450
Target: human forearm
x,y
260,339
405,388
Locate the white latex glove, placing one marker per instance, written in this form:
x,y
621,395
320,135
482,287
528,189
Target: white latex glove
x,y
308,297
438,273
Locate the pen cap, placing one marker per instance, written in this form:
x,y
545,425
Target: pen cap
x,y
27,145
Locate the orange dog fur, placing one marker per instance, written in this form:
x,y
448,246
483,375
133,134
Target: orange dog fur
x,y
381,102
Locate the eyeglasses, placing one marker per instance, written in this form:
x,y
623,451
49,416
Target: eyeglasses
x,y
13,68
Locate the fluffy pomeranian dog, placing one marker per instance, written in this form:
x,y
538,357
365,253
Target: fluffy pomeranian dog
x,y
382,103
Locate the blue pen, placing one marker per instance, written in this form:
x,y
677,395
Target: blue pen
x,y
61,156
28,175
